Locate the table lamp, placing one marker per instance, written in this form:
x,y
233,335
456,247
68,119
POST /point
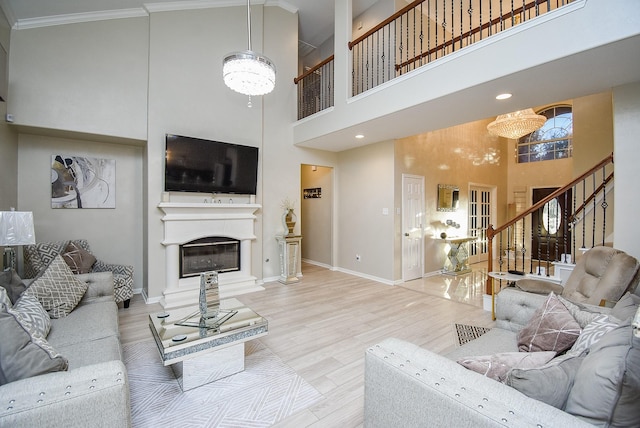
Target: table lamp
x,y
16,228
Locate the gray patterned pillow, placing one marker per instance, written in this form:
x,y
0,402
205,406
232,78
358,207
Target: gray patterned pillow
x,y
57,289
592,333
24,354
32,315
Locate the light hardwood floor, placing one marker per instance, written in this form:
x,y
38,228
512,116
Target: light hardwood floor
x,y
322,326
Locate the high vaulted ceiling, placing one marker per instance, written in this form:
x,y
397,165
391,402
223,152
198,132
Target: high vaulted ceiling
x,y
315,16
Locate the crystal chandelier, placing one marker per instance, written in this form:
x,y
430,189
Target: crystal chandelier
x,y
248,72
517,124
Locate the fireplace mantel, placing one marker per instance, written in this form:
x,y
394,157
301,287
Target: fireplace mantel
x,y
185,222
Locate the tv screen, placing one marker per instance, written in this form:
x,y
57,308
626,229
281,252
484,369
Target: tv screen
x,y
197,165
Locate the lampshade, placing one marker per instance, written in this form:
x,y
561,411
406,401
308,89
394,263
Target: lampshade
x,y
248,72
16,228
517,124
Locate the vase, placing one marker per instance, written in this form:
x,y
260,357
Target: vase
x,y
289,221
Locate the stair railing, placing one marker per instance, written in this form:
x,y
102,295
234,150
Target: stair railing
x,y
580,203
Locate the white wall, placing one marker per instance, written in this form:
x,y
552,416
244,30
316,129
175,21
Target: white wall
x,y
626,129
115,235
364,178
87,77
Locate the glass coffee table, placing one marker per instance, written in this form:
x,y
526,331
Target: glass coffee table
x,y
204,350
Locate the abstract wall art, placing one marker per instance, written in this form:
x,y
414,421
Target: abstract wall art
x,y
82,182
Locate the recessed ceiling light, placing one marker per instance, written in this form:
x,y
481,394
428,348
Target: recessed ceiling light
x,y
503,96
359,136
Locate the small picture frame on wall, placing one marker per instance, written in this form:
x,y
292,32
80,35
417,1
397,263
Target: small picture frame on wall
x,y
82,182
315,193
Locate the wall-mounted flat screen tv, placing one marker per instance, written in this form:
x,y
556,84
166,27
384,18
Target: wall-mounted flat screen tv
x,y
206,166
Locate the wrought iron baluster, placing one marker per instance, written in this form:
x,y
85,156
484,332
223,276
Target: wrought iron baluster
x,y
604,205
593,222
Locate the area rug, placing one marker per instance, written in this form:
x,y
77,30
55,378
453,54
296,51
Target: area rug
x,y
266,392
466,333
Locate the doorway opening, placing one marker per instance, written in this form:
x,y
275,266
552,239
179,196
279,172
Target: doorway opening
x,y
316,214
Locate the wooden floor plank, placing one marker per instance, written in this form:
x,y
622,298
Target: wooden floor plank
x,y
322,326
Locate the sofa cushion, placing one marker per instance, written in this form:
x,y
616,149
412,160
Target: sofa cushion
x,y
33,315
11,282
606,391
91,352
24,354
77,258
626,307
498,365
86,323
550,383
552,328
57,289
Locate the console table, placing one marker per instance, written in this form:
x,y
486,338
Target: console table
x,y
290,266
457,262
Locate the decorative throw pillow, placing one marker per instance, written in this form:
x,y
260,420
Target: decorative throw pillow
x,y
592,333
23,355
497,366
607,386
11,282
579,312
57,289
32,315
551,328
78,259
626,307
4,298
550,383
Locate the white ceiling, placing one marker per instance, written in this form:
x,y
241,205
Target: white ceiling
x,y
315,16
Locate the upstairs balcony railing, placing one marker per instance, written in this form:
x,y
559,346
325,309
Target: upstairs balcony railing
x,y
558,228
426,30
315,89
421,32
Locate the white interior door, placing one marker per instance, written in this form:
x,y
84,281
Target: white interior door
x,y
412,227
480,217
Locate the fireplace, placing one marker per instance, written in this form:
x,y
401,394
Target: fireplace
x,y
188,223
221,254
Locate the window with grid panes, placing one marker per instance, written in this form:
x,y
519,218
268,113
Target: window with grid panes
x,y
553,141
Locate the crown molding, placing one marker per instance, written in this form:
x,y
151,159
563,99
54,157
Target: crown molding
x,y
282,4
144,11
76,18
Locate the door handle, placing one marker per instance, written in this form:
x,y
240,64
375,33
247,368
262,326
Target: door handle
x,y
406,234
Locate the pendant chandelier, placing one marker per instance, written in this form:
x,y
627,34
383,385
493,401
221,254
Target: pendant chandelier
x,y
248,72
517,124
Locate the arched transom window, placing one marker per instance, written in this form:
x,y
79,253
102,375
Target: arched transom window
x,y
553,141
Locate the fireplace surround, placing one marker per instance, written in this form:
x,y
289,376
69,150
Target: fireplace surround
x,y
188,222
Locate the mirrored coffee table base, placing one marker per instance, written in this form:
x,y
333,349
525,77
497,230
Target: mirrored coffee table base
x,y
200,355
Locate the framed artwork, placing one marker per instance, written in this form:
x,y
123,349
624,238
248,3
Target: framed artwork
x,y
315,193
82,182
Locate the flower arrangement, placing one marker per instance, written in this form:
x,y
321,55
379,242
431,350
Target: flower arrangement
x,y
287,204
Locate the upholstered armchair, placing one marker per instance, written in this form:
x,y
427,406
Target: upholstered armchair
x,y
80,259
602,274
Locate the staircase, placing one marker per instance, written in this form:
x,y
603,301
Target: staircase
x,y
557,229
